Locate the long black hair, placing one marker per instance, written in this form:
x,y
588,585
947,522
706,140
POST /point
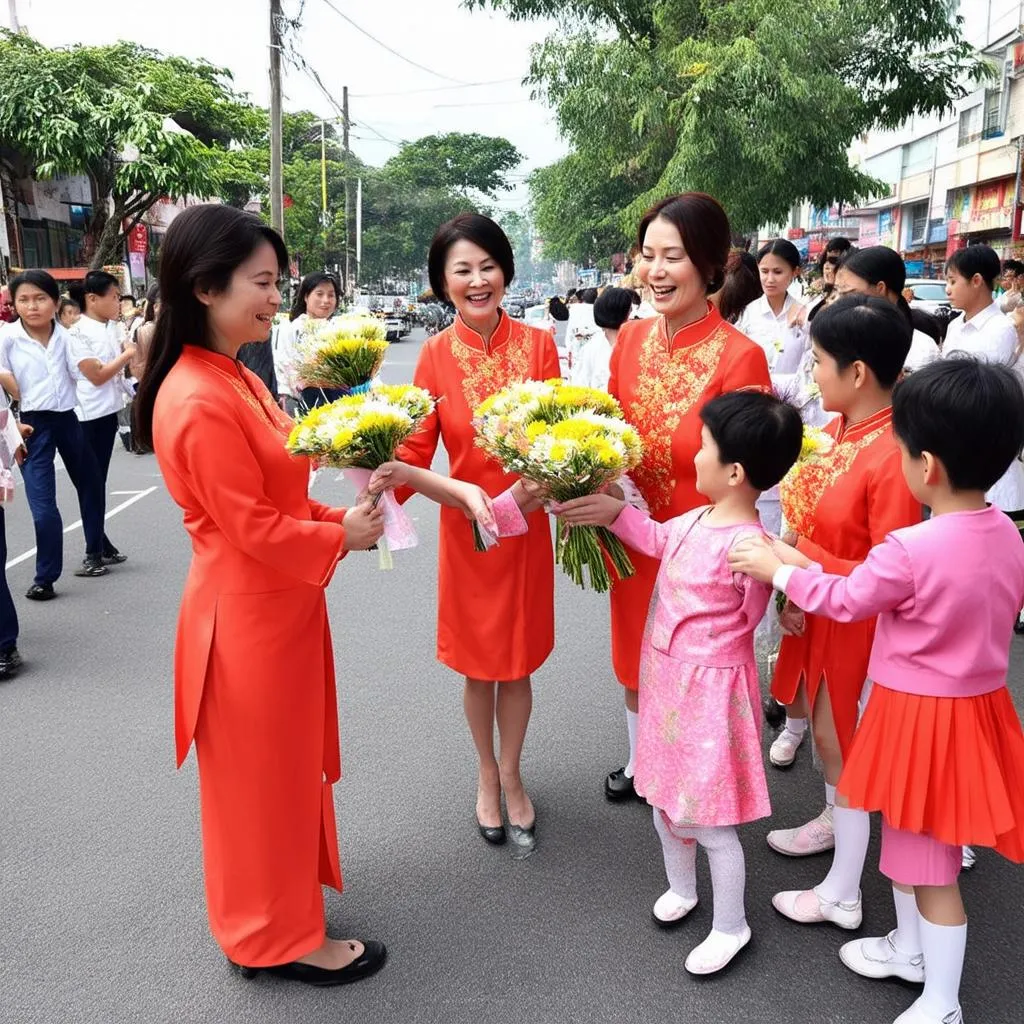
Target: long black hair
x,y
202,249
152,298
742,285
310,283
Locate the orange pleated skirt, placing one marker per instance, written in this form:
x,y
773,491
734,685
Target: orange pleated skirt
x,y
948,767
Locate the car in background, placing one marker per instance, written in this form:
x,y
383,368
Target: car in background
x,y
930,296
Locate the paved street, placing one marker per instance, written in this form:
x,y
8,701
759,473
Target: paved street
x,y
102,918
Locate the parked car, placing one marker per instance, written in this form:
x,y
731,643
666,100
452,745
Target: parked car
x,y
930,295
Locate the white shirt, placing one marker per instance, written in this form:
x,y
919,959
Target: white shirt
x,y
923,350
579,335
782,344
591,369
46,374
990,335
285,347
100,341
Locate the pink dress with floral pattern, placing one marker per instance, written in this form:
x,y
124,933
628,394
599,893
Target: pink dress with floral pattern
x,y
699,736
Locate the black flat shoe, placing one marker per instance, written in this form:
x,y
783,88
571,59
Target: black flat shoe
x,y
41,592
619,786
92,566
114,559
10,662
774,712
494,834
372,960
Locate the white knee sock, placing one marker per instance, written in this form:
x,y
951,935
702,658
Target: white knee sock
x,y
943,947
631,722
830,795
680,858
728,877
907,937
853,830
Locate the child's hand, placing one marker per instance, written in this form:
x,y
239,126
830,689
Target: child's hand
x,y
789,555
755,557
791,620
593,510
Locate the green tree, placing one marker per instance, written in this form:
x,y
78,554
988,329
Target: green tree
x,y
464,163
754,101
140,125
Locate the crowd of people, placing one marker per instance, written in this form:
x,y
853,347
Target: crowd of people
x,y
897,572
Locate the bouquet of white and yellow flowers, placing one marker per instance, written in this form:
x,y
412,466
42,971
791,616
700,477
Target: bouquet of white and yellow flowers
x,y
572,441
360,432
346,352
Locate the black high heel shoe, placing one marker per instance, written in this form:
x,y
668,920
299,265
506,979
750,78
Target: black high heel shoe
x,y
372,960
493,834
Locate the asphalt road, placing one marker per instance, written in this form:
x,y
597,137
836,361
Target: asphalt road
x,y
102,918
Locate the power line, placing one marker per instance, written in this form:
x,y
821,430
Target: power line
x,y
433,88
486,103
383,45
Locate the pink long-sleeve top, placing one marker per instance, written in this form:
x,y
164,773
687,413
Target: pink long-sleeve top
x,y
705,614
946,593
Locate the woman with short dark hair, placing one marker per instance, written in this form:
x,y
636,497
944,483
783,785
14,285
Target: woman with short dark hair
x,y
495,619
663,370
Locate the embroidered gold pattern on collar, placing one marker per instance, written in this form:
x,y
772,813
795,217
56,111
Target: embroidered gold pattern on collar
x,y
669,384
484,373
805,486
269,414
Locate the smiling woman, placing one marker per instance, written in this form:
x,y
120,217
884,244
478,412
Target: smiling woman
x,y
254,672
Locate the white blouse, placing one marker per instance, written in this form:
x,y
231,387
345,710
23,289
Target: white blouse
x,y
784,345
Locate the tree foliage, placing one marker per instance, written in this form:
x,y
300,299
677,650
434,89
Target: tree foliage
x,y
754,101
140,125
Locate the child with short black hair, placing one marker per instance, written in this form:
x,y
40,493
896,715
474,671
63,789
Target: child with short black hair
x,y
939,750
698,759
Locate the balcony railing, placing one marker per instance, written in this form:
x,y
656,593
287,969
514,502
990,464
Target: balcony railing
x,y
992,127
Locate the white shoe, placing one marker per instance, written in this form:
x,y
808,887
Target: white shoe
x,y
670,908
968,858
782,752
879,958
716,952
817,836
918,1015
805,906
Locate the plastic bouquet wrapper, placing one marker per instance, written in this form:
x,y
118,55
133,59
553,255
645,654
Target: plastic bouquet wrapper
x,y
574,442
360,432
345,353
10,441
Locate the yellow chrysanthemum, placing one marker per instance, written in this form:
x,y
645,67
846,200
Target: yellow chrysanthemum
x,y
536,429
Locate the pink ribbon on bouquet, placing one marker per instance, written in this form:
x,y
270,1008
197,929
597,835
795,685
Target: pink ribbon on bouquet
x,y
399,533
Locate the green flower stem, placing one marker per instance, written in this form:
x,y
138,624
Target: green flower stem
x,y
579,546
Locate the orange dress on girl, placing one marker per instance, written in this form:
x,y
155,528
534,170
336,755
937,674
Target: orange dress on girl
x,y
840,504
253,667
495,609
662,384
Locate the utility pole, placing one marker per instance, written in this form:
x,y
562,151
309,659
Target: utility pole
x,y
348,196
13,6
323,183
276,179
359,228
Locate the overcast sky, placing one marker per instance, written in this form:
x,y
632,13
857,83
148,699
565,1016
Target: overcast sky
x,y
438,34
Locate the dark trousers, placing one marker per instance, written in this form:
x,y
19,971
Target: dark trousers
x,y
100,435
313,398
8,614
61,432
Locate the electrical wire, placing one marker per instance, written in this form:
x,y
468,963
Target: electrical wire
x,y
433,88
391,50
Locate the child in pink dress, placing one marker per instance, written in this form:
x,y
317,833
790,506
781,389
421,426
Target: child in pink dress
x,y
699,761
939,750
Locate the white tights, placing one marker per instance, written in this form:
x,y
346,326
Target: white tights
x,y
725,858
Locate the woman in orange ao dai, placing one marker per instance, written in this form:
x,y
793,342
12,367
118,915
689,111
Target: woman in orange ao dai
x,y
254,672
495,618
663,370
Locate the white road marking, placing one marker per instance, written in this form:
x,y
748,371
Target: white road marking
x,y
136,496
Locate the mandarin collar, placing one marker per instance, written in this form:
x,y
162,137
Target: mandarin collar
x,y
854,431
205,355
691,333
474,339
